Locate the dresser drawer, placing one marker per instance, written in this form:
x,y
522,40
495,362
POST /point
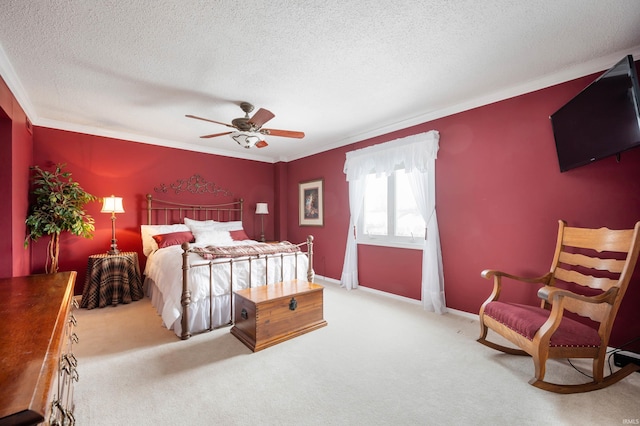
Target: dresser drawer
x,y
34,387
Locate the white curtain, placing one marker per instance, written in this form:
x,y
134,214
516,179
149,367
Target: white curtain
x,y
349,279
416,154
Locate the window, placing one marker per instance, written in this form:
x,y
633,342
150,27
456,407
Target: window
x,y
390,215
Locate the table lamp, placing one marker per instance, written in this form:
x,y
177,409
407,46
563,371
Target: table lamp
x,y
112,205
262,209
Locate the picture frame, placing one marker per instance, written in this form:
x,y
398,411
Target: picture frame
x,y
311,203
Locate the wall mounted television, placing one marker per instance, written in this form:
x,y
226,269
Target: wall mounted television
x,y
602,120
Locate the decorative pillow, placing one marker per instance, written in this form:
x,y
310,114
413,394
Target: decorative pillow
x,y
147,232
239,235
213,237
173,238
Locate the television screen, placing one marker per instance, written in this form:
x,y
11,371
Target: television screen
x,y
602,120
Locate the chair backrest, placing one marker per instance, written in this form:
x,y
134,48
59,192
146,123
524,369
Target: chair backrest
x,y
592,261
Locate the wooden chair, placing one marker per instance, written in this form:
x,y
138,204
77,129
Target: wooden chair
x,y
589,275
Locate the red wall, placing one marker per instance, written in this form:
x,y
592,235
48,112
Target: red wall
x,y
499,197
104,166
498,189
16,152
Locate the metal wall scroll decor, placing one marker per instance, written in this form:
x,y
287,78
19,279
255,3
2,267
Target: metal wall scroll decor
x,y
195,184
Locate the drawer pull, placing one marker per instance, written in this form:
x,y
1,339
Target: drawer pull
x,y
72,360
244,314
293,304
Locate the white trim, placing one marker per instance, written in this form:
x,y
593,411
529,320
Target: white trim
x,y
468,315
10,77
54,124
329,280
388,242
457,312
389,295
7,72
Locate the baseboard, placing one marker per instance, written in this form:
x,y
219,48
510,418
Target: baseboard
x,y
389,295
463,314
402,298
620,359
327,279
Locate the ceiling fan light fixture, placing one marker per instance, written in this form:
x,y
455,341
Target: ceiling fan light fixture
x,y
247,139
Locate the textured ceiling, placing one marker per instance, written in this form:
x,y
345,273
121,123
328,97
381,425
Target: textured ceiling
x,y
340,71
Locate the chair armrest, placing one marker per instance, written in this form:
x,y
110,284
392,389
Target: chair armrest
x,y
548,293
490,273
497,282
555,297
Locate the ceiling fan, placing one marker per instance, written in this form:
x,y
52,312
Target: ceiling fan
x,y
248,130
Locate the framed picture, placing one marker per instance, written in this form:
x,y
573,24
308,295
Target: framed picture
x,y
311,202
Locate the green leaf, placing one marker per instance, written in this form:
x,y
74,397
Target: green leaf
x,y
57,205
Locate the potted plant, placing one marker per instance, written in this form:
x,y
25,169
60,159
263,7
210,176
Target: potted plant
x,y
58,206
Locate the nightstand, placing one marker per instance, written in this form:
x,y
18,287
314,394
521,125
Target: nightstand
x,y
112,279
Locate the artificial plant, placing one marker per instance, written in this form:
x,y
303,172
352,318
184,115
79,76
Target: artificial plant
x,y
57,206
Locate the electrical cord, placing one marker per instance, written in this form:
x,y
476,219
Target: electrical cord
x,y
610,353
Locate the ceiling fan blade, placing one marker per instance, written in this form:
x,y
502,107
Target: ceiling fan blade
x,y
261,144
283,133
261,117
210,121
215,135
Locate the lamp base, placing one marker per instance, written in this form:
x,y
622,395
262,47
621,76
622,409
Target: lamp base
x,y
262,239
114,247
114,242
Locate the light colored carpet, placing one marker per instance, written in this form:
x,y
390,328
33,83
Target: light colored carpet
x,y
380,361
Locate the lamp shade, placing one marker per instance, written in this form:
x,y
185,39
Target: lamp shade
x,y
262,208
247,139
112,205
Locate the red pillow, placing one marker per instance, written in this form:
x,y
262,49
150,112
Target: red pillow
x,y
173,238
239,235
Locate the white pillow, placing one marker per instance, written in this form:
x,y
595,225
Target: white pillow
x,y
228,226
147,232
207,236
193,222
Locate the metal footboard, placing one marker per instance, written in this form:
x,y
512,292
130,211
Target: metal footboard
x,y
186,266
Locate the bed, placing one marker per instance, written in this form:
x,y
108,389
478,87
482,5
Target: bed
x,y
198,255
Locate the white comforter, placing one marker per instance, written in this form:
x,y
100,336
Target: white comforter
x,y
164,269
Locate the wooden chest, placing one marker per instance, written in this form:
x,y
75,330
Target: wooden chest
x,y
270,314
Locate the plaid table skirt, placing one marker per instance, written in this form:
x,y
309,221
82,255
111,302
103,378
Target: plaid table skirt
x,y
112,279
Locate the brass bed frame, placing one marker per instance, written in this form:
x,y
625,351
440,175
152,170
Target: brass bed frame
x,y
173,212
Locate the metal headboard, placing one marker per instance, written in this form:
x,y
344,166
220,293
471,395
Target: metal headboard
x,y
175,212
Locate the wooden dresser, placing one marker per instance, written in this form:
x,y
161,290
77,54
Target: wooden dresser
x,y
37,366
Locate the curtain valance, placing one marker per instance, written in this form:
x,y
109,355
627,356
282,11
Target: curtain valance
x,y
413,152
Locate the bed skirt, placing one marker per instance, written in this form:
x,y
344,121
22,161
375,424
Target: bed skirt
x,y
199,311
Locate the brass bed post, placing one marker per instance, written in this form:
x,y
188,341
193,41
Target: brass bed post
x,y
310,273
148,209
186,293
230,292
